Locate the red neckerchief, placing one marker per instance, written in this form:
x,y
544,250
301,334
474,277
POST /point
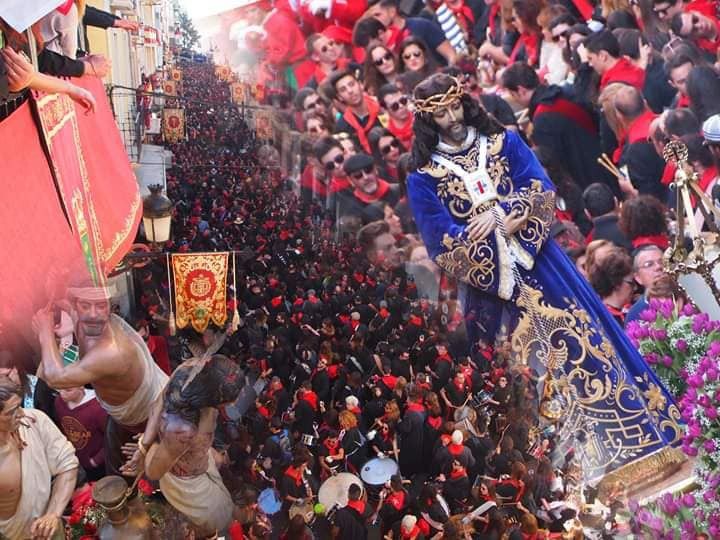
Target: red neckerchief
x,y
445,357
455,449
455,474
460,386
65,8
311,398
397,499
359,277
435,422
468,372
344,319
637,132
358,506
683,102
382,189
410,535
295,474
355,324
361,132
275,302
384,313
271,391
355,410
624,71
615,312
415,407
403,133
339,184
333,371
298,302
320,75
415,320
531,41
389,380
464,16
659,240
494,9
264,412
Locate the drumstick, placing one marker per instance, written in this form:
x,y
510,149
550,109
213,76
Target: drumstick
x,y
606,162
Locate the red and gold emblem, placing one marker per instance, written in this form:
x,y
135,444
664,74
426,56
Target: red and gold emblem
x,y
200,289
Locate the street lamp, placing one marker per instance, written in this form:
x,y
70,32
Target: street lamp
x,y
157,215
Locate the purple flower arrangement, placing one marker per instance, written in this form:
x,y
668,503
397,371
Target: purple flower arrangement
x,y
672,341
683,348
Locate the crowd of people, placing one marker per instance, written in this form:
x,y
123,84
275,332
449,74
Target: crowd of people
x,y
353,371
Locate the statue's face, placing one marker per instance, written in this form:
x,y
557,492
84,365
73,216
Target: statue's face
x,y
93,316
451,122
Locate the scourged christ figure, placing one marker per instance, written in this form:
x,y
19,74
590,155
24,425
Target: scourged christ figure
x,y
484,206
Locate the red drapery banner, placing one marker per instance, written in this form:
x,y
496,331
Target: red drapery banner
x,y
173,124
84,223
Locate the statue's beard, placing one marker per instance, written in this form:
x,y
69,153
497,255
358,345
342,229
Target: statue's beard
x,y
456,133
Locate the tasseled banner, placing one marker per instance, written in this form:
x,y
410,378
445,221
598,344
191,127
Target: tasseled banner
x,y
171,319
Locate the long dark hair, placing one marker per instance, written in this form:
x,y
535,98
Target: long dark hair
x,y
427,131
220,381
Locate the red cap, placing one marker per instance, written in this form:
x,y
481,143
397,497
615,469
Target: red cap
x,y
338,33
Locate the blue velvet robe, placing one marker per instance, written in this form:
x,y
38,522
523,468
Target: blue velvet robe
x,y
608,401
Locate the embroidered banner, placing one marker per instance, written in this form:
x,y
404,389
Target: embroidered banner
x,y
263,124
200,289
237,92
223,73
173,125
170,88
176,74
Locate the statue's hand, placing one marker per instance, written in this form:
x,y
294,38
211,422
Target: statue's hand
x,y
514,222
481,225
134,465
44,527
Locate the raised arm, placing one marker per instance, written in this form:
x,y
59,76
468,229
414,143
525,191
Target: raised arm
x,y
94,365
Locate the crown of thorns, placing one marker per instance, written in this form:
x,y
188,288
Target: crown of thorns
x,y
438,101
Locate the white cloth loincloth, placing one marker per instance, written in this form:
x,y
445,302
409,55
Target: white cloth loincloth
x,y
47,454
135,410
203,499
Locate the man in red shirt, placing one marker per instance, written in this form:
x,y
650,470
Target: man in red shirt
x,y
602,51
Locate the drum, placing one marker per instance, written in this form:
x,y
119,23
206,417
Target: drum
x,y
465,419
306,510
376,473
269,502
334,491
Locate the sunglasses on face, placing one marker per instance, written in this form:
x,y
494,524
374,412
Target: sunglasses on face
x,y
385,58
557,38
387,149
359,174
315,129
402,102
337,161
416,54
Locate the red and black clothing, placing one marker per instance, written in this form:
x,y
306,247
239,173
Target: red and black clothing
x,y
644,165
571,131
84,427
